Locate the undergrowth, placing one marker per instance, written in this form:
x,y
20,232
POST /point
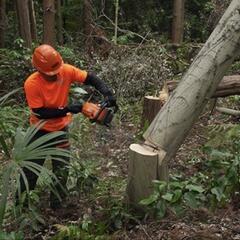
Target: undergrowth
x,y
215,184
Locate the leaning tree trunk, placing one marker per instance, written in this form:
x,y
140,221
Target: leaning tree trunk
x,y
178,21
172,124
49,34
24,22
2,22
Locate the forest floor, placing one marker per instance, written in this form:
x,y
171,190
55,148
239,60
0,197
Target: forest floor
x,y
112,145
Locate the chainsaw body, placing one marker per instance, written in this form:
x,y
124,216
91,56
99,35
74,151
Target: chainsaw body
x,y
99,113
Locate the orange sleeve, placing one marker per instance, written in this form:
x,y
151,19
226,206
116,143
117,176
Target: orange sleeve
x,y
33,95
77,75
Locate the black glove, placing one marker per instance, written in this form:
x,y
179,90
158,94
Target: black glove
x,y
74,108
111,101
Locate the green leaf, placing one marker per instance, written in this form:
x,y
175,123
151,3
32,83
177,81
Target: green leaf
x,y
218,192
168,197
220,155
161,209
151,199
6,96
177,196
162,186
4,146
191,200
177,209
79,90
195,188
177,185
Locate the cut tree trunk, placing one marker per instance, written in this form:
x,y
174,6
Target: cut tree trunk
x,y
230,85
49,34
172,124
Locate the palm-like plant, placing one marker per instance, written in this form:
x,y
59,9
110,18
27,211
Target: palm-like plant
x,y
18,152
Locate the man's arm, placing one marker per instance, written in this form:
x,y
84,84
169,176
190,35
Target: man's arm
x,y
93,80
48,113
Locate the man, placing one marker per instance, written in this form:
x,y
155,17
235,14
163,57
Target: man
x,y
47,93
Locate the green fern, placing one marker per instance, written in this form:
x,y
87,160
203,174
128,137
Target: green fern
x,y
18,158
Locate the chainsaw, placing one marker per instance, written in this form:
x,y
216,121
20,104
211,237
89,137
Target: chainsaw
x,y
99,112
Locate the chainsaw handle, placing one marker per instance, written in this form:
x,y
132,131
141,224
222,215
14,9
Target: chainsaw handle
x,y
105,104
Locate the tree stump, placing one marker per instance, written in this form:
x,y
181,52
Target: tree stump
x,y
145,165
151,107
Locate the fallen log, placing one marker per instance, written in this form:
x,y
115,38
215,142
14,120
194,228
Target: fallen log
x,y
228,111
229,85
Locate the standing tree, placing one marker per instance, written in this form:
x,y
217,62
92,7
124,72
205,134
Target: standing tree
x,y
116,21
178,21
59,23
32,20
24,21
2,22
49,34
172,124
88,25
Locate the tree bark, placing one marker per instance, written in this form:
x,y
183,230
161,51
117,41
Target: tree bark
x,y
88,28
175,119
116,21
178,21
49,34
32,18
2,22
59,23
230,85
24,22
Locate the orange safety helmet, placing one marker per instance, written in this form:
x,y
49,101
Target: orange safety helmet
x,y
47,60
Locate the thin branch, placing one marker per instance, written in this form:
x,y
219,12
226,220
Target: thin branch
x,y
122,30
